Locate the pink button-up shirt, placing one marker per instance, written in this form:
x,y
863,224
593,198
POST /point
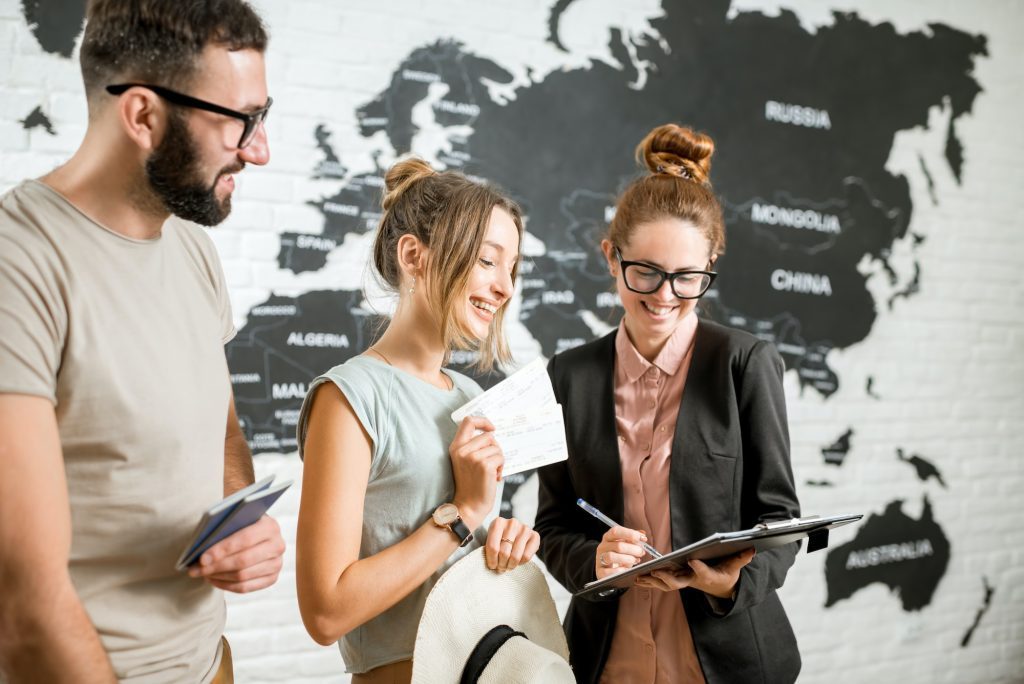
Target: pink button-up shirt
x,y
652,642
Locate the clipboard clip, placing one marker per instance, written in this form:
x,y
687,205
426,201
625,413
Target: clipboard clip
x,y
782,524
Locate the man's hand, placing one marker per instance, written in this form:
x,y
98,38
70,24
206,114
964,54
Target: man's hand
x,y
248,560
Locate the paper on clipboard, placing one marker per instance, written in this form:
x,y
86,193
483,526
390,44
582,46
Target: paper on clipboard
x,y
761,537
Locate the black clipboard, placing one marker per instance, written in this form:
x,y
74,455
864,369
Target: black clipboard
x,y
763,536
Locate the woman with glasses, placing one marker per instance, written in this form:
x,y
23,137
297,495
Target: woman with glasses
x,y
677,429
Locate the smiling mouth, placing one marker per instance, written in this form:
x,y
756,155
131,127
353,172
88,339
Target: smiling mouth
x,y
484,306
657,310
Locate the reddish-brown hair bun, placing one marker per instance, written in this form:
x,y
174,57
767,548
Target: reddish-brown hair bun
x,y
678,186
677,151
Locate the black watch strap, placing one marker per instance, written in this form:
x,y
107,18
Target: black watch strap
x,y
461,532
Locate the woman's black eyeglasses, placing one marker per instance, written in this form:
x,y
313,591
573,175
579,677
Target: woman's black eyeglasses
x,y
252,120
644,279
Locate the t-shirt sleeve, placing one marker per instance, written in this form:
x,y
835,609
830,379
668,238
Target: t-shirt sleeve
x,y
213,270
368,399
228,330
33,318
220,290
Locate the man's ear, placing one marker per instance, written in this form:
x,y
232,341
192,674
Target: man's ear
x,y
143,117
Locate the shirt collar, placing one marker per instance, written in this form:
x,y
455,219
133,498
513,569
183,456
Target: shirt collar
x,y
668,360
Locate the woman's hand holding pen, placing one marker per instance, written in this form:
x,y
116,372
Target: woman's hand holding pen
x,y
718,580
476,465
620,549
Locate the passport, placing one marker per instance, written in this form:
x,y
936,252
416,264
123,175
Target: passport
x,y
229,515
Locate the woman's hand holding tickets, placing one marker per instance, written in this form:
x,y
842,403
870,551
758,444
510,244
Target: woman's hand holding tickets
x,y
476,465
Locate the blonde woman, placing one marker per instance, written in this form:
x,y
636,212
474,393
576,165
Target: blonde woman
x,y
393,491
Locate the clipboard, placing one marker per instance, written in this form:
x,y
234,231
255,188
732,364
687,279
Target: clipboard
x,y
765,535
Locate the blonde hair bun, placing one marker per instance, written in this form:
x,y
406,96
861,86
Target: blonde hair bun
x,y
402,176
677,151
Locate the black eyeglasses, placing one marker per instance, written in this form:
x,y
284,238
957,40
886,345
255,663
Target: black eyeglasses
x,y
644,279
252,121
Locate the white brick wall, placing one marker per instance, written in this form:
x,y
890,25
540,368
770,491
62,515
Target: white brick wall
x,y
947,362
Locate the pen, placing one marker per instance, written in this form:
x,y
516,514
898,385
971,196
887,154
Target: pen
x,y
611,523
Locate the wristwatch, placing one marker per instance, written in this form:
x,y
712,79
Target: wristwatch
x,y
447,515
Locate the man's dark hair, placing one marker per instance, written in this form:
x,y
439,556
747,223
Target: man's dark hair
x,y
159,41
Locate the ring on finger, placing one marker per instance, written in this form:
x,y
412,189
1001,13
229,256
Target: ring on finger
x,y
603,560
506,539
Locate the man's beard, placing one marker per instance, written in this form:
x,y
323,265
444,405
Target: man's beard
x,y
175,176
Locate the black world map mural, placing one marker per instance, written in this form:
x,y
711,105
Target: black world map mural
x,y
800,165
804,123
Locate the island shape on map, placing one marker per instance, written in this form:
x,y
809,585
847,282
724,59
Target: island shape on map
x,y
908,555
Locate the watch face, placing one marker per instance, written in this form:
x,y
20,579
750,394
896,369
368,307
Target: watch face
x,y
445,514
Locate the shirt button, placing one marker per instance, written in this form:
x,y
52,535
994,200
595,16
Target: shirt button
x,y
649,648
647,447
662,428
651,404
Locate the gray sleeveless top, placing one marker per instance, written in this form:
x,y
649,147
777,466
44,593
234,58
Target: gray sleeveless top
x,y
409,422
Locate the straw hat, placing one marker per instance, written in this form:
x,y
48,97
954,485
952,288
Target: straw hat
x,y
479,626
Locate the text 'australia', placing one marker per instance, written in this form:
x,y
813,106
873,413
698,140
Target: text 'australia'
x,y
889,553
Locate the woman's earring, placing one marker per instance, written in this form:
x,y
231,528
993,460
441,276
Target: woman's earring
x,y
412,289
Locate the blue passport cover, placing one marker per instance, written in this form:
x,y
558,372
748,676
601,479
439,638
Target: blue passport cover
x,y
223,522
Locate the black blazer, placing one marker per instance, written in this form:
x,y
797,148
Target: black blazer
x,y
730,470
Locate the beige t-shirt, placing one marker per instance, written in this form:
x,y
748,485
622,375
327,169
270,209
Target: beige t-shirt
x,y
126,338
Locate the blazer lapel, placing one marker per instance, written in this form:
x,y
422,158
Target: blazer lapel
x,y
689,453
601,469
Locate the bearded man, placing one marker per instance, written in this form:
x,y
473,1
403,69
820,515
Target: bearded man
x,y
117,421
